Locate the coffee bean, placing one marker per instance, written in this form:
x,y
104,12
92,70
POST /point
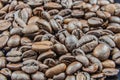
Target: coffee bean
x,y
110,71
94,21
108,64
2,62
14,56
102,52
3,41
30,66
14,66
4,25
73,67
70,77
38,76
42,46
2,77
7,72
55,70
60,76
52,5
117,39
19,75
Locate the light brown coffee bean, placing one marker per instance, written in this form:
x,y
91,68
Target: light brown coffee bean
x,y
60,76
52,5
14,41
55,70
3,62
72,77
6,71
3,41
42,46
14,66
2,77
102,52
38,76
108,64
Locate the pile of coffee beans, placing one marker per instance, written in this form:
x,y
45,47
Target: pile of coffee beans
x,y
59,39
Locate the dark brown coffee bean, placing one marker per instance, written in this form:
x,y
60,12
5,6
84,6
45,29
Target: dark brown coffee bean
x,y
14,66
52,5
30,66
53,12
42,46
14,41
102,52
3,41
3,62
73,67
94,21
60,76
38,76
55,70
7,72
30,54
70,42
77,33
14,56
19,75
108,64
110,71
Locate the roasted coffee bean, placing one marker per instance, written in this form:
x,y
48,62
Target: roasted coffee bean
x,y
2,77
73,67
2,62
19,75
42,46
30,66
102,52
117,39
14,66
110,71
70,42
14,56
108,64
60,49
55,70
48,54
71,77
38,76
87,43
3,41
60,76
82,59
94,21
59,39
7,72
14,41
30,54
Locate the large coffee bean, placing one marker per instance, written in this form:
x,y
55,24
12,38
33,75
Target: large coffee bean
x,y
102,52
55,70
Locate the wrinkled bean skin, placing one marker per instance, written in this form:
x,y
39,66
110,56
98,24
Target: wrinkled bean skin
x,y
59,39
